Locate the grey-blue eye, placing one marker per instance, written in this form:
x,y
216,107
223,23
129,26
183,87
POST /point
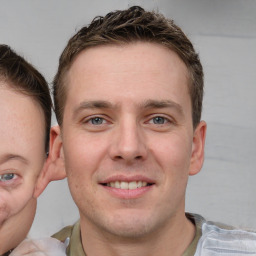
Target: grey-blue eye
x,y
159,120
97,120
7,176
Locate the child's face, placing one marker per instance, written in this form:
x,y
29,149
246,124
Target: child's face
x,y
22,155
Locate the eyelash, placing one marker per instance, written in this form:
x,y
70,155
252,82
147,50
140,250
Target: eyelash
x,y
150,120
164,119
167,120
3,178
97,119
89,120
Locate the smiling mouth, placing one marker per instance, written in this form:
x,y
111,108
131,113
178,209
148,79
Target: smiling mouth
x,y
127,185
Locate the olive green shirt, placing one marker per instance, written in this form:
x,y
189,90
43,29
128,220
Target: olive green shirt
x,y
75,247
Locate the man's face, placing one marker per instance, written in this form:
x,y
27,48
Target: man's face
x,y
128,138
21,159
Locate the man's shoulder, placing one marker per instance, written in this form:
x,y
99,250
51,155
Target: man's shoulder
x,y
212,238
71,234
64,233
220,239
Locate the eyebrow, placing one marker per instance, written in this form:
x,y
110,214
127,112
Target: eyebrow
x,y
9,157
101,104
163,104
94,104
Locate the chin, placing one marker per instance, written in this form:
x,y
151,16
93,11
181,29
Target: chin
x,y
131,232
129,226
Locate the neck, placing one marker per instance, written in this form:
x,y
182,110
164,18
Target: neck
x,y
173,237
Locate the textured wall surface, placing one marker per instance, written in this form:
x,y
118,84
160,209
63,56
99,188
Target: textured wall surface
x,y
224,34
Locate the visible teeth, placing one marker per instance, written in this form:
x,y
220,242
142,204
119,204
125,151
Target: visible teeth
x,y
117,184
127,185
133,185
124,185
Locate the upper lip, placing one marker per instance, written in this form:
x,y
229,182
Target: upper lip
x,y
126,178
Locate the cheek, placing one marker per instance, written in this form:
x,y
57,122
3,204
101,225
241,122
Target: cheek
x,y
13,201
173,153
10,235
82,160
83,156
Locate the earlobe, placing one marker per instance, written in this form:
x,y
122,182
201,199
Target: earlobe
x,y
197,156
54,168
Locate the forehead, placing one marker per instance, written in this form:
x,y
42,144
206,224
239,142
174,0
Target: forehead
x,y
128,57
23,121
130,70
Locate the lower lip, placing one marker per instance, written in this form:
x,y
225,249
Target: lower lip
x,y
128,193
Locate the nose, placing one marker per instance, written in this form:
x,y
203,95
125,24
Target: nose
x,y
128,143
4,212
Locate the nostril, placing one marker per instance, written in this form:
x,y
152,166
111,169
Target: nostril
x,y
118,157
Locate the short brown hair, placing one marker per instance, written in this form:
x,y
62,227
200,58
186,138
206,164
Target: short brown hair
x,y
131,25
24,78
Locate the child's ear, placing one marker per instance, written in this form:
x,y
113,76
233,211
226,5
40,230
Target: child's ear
x,y
197,157
54,167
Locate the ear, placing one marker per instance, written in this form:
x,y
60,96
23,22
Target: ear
x,y
197,156
54,167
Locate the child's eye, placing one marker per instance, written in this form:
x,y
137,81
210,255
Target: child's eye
x,y
7,177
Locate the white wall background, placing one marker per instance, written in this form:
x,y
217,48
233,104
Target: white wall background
x,y
224,33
